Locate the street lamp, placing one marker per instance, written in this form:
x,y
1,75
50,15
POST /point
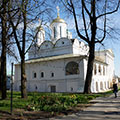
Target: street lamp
x,y
12,81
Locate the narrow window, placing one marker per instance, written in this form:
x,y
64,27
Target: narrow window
x,y
52,74
54,32
99,69
34,75
60,31
42,74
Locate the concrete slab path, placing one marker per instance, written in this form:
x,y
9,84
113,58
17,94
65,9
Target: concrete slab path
x,y
107,108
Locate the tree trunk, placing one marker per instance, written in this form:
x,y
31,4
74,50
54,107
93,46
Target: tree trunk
x,y
87,87
3,53
23,79
3,73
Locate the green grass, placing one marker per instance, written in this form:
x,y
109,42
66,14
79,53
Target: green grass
x,y
47,101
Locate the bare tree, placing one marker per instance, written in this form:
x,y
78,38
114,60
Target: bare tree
x,y
28,13
93,14
5,35
3,53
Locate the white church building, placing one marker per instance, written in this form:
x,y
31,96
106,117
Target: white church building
x,y
60,64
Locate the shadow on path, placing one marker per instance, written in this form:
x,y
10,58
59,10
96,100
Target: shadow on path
x,y
107,108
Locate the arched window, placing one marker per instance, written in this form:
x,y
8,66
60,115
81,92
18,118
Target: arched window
x,y
52,74
99,69
54,32
34,75
72,68
42,74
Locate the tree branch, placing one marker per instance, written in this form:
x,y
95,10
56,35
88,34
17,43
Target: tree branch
x,y
76,24
111,12
100,41
84,21
83,4
16,39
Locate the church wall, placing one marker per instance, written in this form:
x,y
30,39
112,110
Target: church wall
x,y
62,46
100,80
63,83
51,52
109,59
80,48
110,68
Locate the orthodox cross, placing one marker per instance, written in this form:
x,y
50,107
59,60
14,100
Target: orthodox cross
x,y
58,9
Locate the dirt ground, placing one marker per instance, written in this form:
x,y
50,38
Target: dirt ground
x,y
19,114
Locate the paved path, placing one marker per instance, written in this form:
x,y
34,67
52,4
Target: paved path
x,y
107,108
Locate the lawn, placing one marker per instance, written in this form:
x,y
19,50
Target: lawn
x,y
46,101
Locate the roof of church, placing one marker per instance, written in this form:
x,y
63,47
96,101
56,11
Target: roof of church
x,y
55,58
97,58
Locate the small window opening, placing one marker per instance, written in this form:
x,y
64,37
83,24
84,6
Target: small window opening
x,y
35,75
42,74
52,74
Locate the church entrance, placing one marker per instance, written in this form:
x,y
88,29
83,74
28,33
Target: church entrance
x,y
53,89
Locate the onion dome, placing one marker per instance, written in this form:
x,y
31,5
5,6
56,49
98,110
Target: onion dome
x,y
58,19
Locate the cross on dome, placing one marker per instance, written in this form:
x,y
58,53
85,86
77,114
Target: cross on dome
x,y
58,9
39,21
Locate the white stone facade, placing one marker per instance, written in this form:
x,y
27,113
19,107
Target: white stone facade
x,y
44,73
60,65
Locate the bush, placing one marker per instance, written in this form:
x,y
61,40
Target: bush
x,y
55,102
51,102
